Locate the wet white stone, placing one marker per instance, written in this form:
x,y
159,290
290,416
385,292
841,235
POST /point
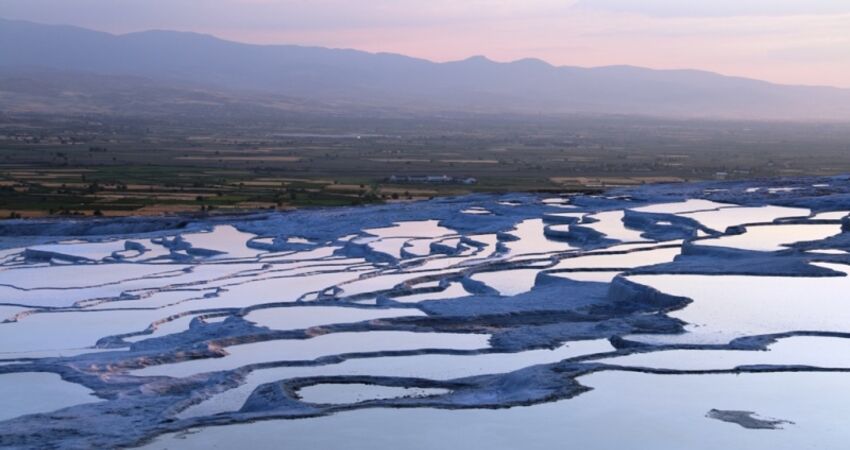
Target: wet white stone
x,y
343,394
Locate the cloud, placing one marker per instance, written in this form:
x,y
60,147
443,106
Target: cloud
x,y
291,14
719,8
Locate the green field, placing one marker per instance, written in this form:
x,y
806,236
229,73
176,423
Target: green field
x,y
112,166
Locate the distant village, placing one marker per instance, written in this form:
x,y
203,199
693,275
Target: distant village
x,y
433,179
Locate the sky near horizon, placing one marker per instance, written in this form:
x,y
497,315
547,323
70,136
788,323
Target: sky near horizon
x,y
786,41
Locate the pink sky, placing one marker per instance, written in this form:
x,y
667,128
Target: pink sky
x,y
787,41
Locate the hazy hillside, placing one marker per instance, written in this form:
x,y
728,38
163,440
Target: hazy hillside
x,y
162,61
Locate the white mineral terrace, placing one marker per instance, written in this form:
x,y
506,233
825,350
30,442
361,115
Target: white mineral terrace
x,y
471,323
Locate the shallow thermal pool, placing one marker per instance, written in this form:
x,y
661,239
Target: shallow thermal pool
x,y
453,290
814,351
32,393
728,306
613,415
435,367
324,345
687,206
769,238
422,228
93,251
531,239
300,317
723,218
509,282
611,224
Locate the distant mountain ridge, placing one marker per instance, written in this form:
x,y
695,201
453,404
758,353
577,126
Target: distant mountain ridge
x,y
350,77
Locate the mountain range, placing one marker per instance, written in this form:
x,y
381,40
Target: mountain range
x,y
51,67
